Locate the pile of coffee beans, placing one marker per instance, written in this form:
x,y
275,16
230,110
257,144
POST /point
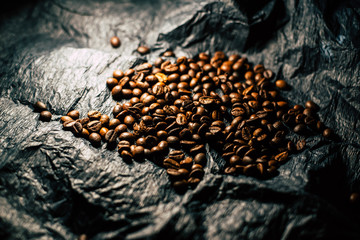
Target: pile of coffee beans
x,y
175,109
45,115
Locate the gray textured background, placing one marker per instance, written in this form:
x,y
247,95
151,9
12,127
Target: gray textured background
x,y
56,186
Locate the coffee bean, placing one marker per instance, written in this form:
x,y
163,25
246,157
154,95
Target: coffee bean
x,y
94,126
66,119
200,158
170,163
94,115
111,136
328,133
40,106
45,116
300,145
180,186
300,128
143,50
95,139
311,105
115,42
281,84
74,114
128,136
354,198
138,152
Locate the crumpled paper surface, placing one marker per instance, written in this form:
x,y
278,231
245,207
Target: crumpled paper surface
x,y
56,186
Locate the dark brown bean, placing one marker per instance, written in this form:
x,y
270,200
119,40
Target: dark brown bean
x,y
45,116
115,41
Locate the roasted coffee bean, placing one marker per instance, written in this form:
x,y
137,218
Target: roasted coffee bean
x,y
94,126
328,133
291,146
126,156
40,106
143,50
94,115
77,128
180,186
197,173
311,105
129,121
300,128
138,152
103,132
354,198
45,116
111,136
281,157
115,41
123,145
281,84
177,155
95,139
104,119
300,145
170,163
173,141
181,119
66,119
128,136
74,114
200,158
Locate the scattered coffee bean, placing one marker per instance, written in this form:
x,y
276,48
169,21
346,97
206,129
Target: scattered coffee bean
x,y
74,114
143,50
39,106
328,133
281,84
115,41
95,139
45,116
354,198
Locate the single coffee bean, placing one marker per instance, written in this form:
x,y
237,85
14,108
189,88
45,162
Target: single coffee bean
x,y
300,145
126,156
311,105
138,152
77,128
85,133
180,186
82,237
300,128
103,131
74,114
95,139
354,198
118,74
129,120
281,84
328,133
45,116
66,119
177,155
128,136
111,82
94,115
143,50
115,41
200,158
40,106
170,163
94,126
123,145
111,136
